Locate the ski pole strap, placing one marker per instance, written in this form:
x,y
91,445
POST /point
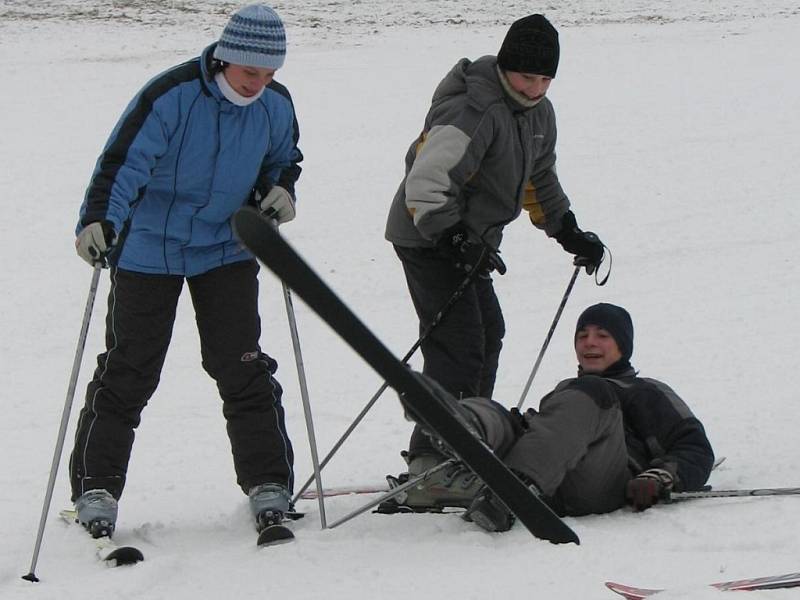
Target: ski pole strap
x,y
603,281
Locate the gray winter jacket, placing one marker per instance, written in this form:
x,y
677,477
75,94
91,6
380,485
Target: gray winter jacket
x,y
593,433
480,159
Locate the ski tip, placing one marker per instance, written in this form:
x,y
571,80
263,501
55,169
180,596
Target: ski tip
x,y
124,555
70,515
629,592
274,535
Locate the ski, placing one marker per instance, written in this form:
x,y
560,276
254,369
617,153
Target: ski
x,y
106,549
346,490
773,582
269,247
745,493
382,488
272,535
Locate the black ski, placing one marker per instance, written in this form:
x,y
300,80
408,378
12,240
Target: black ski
x,y
105,548
272,535
261,238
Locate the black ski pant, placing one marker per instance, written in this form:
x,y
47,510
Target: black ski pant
x,y
462,352
139,323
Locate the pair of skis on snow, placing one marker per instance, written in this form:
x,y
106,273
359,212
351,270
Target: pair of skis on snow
x,y
113,555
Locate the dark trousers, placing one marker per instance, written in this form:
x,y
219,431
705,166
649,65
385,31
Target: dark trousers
x,y
141,314
462,352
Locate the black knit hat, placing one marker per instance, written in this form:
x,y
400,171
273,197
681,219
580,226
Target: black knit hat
x,y
615,320
530,46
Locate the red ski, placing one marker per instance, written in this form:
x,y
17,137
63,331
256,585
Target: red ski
x,y
773,582
346,490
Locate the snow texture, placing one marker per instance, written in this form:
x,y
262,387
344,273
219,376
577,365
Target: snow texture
x,y
679,140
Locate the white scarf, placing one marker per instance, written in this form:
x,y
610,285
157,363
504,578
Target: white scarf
x,y
231,94
515,95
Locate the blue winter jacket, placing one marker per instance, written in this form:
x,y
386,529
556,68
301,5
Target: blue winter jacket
x,y
180,161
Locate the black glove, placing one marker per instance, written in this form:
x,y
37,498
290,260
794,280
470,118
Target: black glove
x,y
647,488
585,245
518,421
468,255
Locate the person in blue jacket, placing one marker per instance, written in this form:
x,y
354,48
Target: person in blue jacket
x,y
198,142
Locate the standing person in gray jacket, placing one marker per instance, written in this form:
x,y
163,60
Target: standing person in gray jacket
x,y
598,441
486,151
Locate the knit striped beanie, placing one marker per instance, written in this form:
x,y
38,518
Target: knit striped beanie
x,y
254,37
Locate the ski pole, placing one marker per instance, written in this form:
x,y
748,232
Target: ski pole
x,y
431,326
396,491
62,430
301,376
549,336
792,491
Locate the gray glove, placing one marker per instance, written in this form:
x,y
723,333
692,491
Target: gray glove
x,y
94,242
278,204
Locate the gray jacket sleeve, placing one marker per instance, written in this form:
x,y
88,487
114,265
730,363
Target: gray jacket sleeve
x,y
446,159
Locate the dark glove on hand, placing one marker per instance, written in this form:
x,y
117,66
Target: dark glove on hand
x,y
466,254
647,488
585,245
518,421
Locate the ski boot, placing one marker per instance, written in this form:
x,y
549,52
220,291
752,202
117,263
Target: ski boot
x,y
453,486
96,510
269,504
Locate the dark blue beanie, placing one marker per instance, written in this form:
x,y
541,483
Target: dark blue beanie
x,y
615,320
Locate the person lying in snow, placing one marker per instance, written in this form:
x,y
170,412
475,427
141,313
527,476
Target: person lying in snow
x,y
598,441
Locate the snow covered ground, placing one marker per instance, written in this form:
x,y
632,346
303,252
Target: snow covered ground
x,y
679,144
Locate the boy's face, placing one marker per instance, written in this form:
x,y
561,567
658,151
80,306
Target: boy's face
x,y
532,86
596,349
248,81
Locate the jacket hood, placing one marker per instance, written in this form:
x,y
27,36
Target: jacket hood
x,y
477,79
210,87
